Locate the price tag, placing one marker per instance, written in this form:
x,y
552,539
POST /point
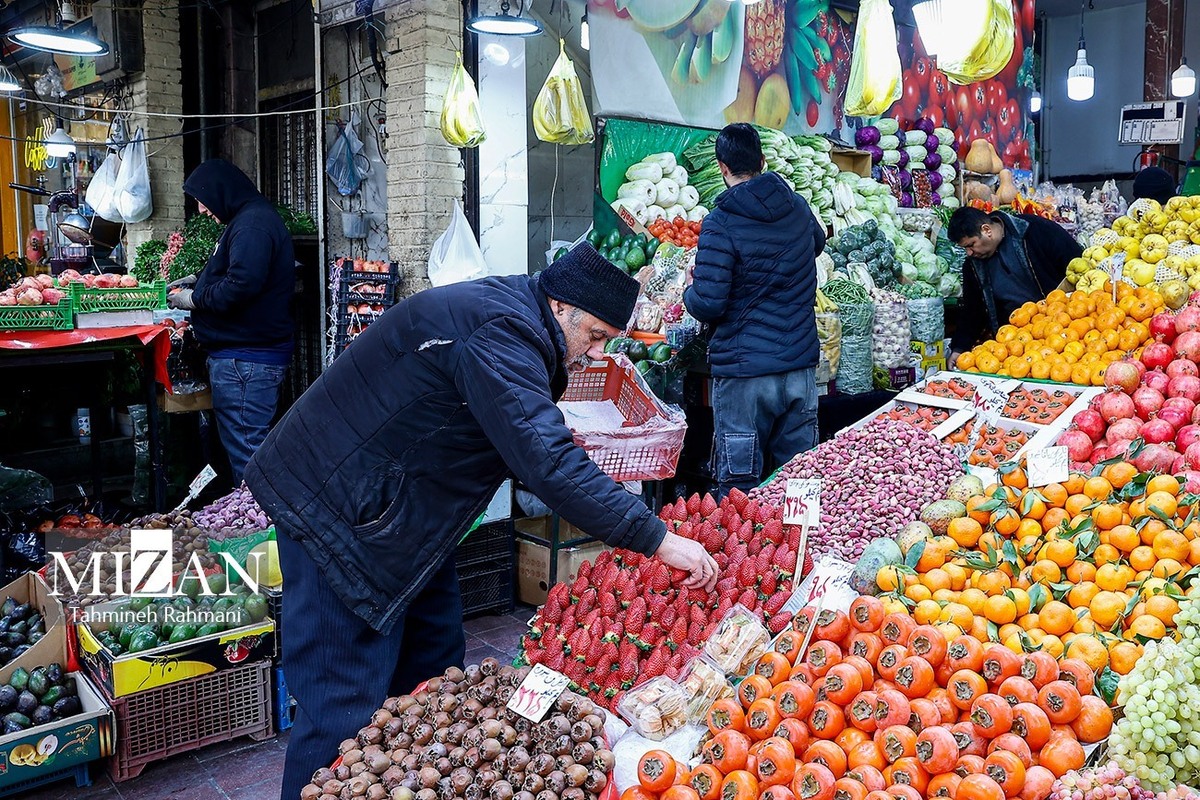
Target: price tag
x,y
197,485
1047,466
829,583
989,401
537,693
802,502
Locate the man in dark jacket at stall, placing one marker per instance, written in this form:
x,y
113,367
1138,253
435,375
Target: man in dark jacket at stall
x,y
755,283
1011,261
375,473
240,306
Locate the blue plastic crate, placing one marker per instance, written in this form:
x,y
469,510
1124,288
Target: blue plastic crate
x,y
285,704
79,772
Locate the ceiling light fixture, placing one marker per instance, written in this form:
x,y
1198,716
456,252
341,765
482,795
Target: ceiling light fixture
x,y
504,24
8,81
59,144
1183,80
1081,78
54,39
585,34
1035,102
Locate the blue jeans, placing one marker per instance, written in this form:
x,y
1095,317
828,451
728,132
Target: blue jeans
x,y
245,395
340,669
774,416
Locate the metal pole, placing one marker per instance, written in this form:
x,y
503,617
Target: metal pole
x,y
322,258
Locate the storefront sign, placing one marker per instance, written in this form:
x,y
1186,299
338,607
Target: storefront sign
x,y
77,71
538,692
36,157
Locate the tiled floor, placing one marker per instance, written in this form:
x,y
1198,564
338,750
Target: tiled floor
x,y
246,770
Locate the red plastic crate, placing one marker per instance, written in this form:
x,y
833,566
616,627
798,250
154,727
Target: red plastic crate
x,y
647,446
191,714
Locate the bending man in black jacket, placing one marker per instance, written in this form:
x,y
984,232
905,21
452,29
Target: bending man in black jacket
x,y
756,285
240,306
1011,261
377,470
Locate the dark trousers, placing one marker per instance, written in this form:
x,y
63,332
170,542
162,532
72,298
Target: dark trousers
x,y
773,416
245,395
340,669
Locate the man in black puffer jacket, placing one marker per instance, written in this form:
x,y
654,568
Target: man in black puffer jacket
x,y
240,306
755,283
378,469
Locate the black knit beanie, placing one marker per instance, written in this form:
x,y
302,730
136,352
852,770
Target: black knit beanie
x,y
585,279
1154,183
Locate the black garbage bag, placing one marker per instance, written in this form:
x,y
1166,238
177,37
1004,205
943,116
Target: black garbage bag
x,y
22,488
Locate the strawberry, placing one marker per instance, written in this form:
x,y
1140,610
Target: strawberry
x,y
552,611
738,499
767,552
808,564
762,562
778,622
769,583
627,671
746,573
677,511
707,505
748,598
669,615
726,586
746,531
693,504
711,627
784,559
609,605
722,561
765,514
587,601
793,536
656,604
585,571
661,579
750,510
635,615
554,660
627,652
696,614
686,530
695,632
733,523
775,602
773,531
679,631
656,664
754,547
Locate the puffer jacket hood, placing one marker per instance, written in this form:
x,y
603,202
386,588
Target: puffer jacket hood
x,y
222,188
763,198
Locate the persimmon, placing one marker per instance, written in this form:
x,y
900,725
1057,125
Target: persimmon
x,y
999,663
740,785
788,645
762,718
991,715
1061,754
656,771
970,742
849,737
1076,672
827,753
908,771
866,645
727,751
915,676
1017,690
843,682
773,666
831,625
1039,781
1031,724
979,787
902,791
796,732
965,652
866,669
636,792
794,699
941,698
849,789
1014,744
822,655
897,742
706,780
889,660
1006,769
937,750
752,688
826,720
896,628
1039,667
923,713
891,708
965,687
724,714
928,642
1095,720
776,763
680,791
777,793
968,765
861,712
802,673
865,754
1061,702
944,785
813,781
866,613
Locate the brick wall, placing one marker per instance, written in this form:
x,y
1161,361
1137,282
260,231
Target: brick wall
x,y
425,174
158,89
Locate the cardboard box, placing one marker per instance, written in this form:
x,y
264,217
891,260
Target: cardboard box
x,y
58,746
183,403
855,161
533,567
120,675
52,648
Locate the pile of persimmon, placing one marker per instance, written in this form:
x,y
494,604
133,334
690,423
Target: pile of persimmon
x,y
881,708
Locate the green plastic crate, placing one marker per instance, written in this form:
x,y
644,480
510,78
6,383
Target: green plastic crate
x,y
87,299
46,318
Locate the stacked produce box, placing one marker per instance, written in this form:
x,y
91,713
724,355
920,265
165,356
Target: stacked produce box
x,y
361,291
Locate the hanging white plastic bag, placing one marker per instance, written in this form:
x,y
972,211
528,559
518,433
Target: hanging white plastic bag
x,y
456,256
875,74
102,191
133,199
346,164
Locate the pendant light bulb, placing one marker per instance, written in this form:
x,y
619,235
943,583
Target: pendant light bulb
x,y
59,144
585,34
1035,102
8,81
1081,78
1183,80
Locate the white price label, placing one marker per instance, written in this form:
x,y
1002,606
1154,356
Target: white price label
x,y
1047,466
828,584
989,400
538,692
203,479
802,502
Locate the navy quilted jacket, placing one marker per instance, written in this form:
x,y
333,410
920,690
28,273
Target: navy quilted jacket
x,y
756,280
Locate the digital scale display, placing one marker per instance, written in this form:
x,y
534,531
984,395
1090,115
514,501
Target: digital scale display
x,y
1152,123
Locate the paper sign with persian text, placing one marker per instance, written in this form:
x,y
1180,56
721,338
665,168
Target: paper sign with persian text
x,y
197,485
1047,466
802,502
828,584
630,220
538,692
989,400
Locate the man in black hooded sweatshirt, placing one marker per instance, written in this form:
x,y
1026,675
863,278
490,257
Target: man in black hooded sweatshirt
x,y
240,306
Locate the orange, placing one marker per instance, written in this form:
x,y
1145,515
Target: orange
x,y
1163,608
1148,626
1028,622
1054,517
926,612
1015,478
1119,474
957,613
1142,558
982,517
993,581
1170,544
1081,594
889,578
1055,494
1124,538
1089,650
1032,506
936,579
1053,644
1111,578
1000,609
1106,554
1162,501
1020,598
1105,608
965,531
958,576
1056,618
1075,483
1046,571
1107,516
1167,567
1028,529
944,595
1076,503
1150,529
918,592
1081,572
1005,521
973,599
933,557
1163,483
1084,624
1194,552
1097,488
1122,656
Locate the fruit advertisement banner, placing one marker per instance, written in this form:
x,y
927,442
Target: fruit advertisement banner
x,y
786,64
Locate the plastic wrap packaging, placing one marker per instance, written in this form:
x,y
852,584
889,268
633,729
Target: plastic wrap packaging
x,y
462,120
927,319
829,331
560,113
857,320
704,683
890,336
857,364
22,488
140,419
655,708
739,641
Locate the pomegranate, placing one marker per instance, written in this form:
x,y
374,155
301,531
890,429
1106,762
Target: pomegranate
x,y
1147,402
1090,422
1188,319
1187,345
1078,444
52,296
1157,431
1185,386
1126,429
1180,402
1099,454
1155,458
1187,436
1156,379
1174,416
1191,456
1115,405
1191,479
1180,367
1119,447
1157,355
1162,327
1196,415
1178,464
1122,375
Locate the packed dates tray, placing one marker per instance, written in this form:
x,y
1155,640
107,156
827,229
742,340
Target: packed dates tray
x,y
453,737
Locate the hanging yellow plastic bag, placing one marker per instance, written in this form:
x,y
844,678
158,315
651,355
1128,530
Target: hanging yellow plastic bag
x,y
986,50
560,113
462,121
875,74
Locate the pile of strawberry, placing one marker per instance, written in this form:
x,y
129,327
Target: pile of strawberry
x,y
627,618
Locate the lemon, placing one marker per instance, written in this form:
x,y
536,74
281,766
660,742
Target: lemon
x,y
264,569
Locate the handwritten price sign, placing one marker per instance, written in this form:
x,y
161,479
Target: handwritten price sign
x,y
1048,466
802,502
537,693
989,400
